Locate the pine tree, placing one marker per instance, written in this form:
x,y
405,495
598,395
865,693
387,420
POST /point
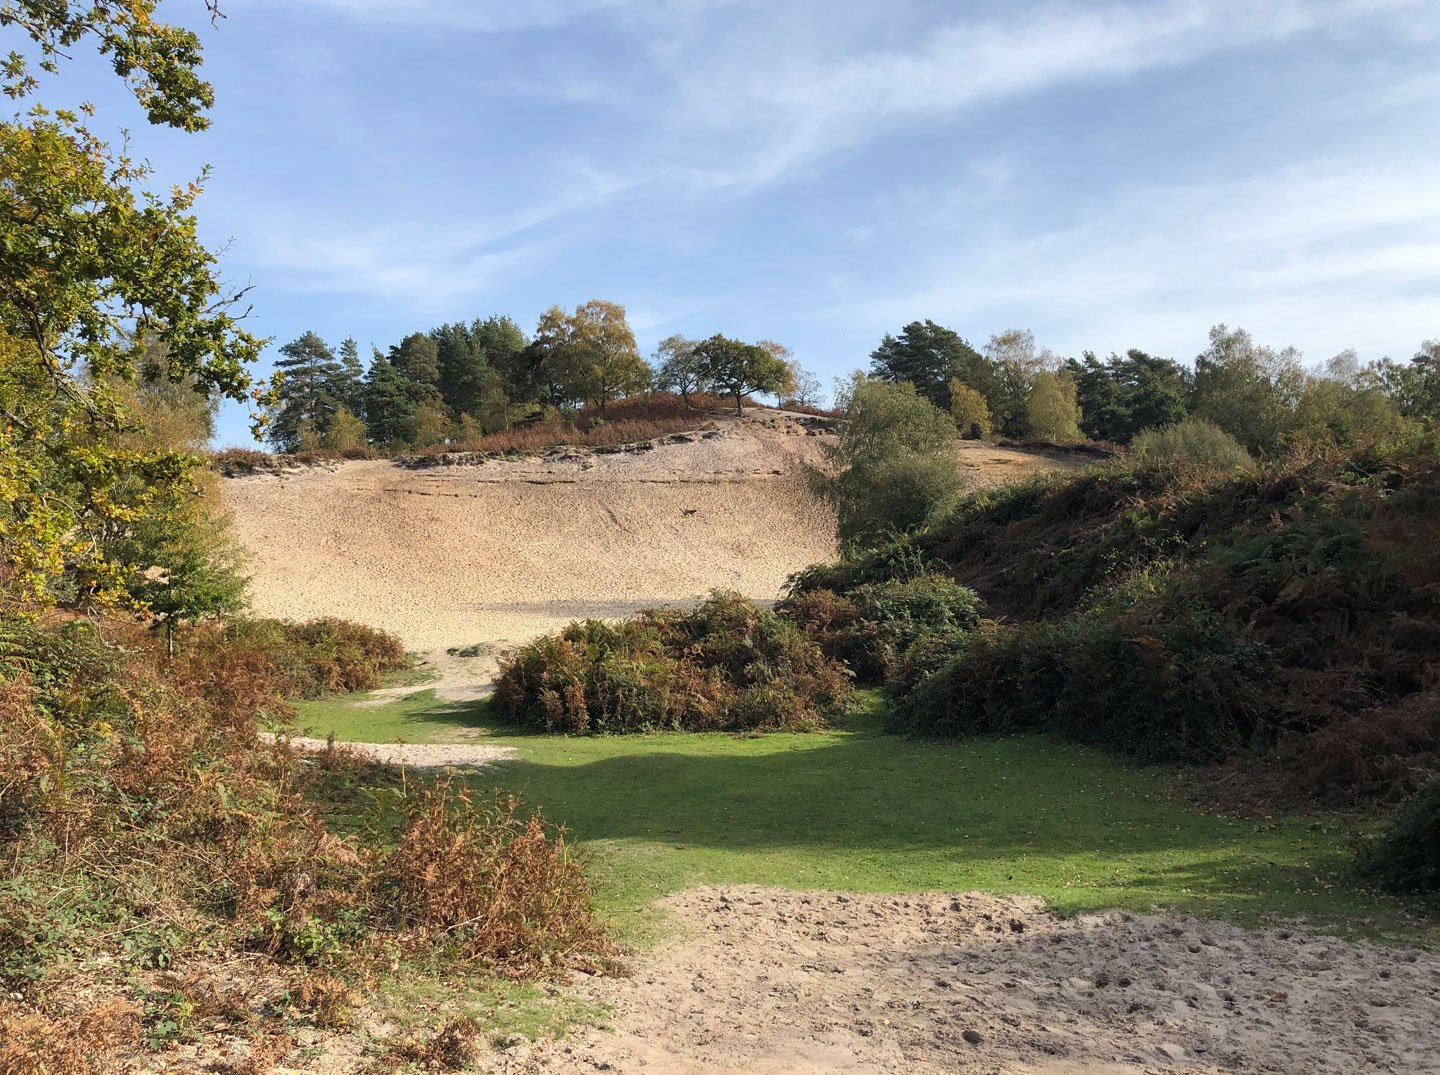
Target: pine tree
x,y
417,359
350,384
389,408
930,356
311,388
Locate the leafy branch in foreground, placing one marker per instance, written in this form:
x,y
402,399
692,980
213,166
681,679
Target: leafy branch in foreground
x,y
103,284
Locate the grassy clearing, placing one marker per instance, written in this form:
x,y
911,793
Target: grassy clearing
x,y
855,809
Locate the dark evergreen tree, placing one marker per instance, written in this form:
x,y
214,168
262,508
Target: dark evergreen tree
x,y
930,356
463,368
350,384
1103,416
417,358
389,409
504,343
311,389
1123,396
1154,391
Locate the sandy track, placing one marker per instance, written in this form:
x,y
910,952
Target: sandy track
x,y
416,755
778,981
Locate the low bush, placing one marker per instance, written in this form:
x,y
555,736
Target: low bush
x,y
143,821
294,660
633,420
873,626
1406,857
1161,682
723,665
239,462
1193,444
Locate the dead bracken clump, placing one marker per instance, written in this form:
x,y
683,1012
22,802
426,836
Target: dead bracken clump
x,y
142,819
723,665
492,886
454,1047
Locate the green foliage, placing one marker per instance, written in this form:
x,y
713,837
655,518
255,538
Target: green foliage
x,y
1414,388
1406,857
932,358
1151,674
311,385
1193,444
1247,390
970,412
590,356
1124,395
723,665
737,369
1180,613
677,368
160,62
1051,410
187,570
347,432
874,627
144,300
891,464
389,405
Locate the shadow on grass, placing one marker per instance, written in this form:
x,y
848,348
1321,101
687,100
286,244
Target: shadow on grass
x,y
860,809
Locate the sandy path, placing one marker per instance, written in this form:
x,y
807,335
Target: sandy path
x,y
777,981
416,755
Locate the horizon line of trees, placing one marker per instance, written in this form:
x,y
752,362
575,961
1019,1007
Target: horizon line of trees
x,y
1259,395
462,380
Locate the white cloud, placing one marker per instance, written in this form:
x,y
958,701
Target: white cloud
x,y
758,105
1331,255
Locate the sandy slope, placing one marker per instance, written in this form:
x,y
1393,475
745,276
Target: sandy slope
x,y
505,550
508,549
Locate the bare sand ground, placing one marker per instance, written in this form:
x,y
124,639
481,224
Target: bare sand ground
x,y
776,981
504,550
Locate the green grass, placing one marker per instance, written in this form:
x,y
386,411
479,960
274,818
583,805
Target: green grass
x,y
856,809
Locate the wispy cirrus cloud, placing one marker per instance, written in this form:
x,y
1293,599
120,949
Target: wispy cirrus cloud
x,y
1326,256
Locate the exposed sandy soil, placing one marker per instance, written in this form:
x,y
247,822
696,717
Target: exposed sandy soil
x,y
507,549
776,981
417,755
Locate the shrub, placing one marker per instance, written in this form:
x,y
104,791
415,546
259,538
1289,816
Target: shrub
x,y
141,821
1166,680
1406,858
892,465
491,886
634,420
296,660
1194,444
873,626
970,411
723,665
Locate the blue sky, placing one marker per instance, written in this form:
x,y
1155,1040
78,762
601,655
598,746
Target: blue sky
x,y
1109,175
